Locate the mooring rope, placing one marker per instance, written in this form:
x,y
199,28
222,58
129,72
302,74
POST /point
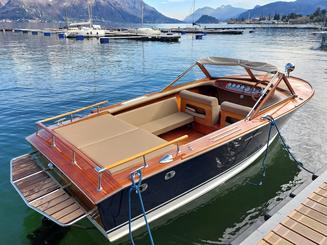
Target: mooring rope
x,y
285,146
136,187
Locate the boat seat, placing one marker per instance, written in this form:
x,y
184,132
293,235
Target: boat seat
x,y
106,139
157,118
232,110
168,123
205,109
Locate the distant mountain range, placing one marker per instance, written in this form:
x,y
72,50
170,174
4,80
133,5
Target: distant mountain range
x,y
303,7
206,19
118,11
223,12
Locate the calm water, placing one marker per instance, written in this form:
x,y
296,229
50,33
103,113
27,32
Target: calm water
x,y
42,76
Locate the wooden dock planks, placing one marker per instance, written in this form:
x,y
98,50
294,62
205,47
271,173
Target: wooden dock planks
x,y
306,224
44,194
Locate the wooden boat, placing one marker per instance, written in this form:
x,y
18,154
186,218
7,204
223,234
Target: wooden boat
x,y
185,141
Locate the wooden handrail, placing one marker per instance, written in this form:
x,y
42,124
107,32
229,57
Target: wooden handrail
x,y
143,153
73,112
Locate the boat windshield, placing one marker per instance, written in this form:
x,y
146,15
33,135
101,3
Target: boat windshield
x,y
217,67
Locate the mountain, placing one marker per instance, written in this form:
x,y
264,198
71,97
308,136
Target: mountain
x,y
223,12
206,19
118,11
303,7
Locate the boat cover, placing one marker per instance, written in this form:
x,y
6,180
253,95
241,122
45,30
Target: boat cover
x,y
257,66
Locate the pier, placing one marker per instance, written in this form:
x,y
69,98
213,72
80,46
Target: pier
x,y
303,220
111,34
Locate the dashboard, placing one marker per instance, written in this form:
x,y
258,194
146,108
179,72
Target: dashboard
x,y
239,88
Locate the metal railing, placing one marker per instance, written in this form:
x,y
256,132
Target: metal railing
x,y
71,113
271,85
101,170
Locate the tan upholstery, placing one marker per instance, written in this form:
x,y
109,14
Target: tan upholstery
x,y
150,112
107,139
168,123
232,110
236,108
203,99
93,130
157,118
207,104
123,146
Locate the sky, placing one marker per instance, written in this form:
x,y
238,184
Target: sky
x,y
181,8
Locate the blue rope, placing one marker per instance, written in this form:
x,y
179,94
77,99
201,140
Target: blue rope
x,y
285,146
136,187
263,162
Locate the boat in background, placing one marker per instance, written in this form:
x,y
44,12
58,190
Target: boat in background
x,y
173,146
85,29
154,33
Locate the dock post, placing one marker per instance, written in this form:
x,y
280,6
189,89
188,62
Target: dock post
x,y
104,40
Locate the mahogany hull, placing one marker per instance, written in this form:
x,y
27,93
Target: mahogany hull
x,y
189,176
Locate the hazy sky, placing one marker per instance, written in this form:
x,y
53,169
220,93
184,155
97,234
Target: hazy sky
x,y
181,8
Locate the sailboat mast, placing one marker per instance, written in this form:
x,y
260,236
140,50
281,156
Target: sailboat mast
x,y
142,13
193,10
89,9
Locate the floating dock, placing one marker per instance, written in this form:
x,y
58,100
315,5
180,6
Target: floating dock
x,y
164,37
303,220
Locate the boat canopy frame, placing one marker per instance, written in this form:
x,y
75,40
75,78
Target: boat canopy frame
x,y
249,66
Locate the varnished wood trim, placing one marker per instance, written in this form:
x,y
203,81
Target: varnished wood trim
x,y
144,153
74,111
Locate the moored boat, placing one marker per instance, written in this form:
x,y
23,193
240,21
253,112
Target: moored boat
x,y
85,29
182,141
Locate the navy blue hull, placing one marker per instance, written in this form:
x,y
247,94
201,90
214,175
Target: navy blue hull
x,y
189,175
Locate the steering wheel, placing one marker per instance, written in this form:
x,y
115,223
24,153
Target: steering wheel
x,y
255,95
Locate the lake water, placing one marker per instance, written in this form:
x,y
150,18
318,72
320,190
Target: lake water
x,y
44,76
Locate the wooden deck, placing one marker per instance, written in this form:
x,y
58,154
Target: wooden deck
x,y
42,193
301,221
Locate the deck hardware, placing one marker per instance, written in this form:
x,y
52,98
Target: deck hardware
x,y
289,67
144,187
60,121
170,175
219,164
37,130
50,165
74,158
53,141
100,171
178,150
166,158
189,148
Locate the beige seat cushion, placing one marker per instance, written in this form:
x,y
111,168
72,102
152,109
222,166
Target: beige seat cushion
x,y
150,112
92,130
123,146
208,105
203,99
168,123
235,108
107,139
